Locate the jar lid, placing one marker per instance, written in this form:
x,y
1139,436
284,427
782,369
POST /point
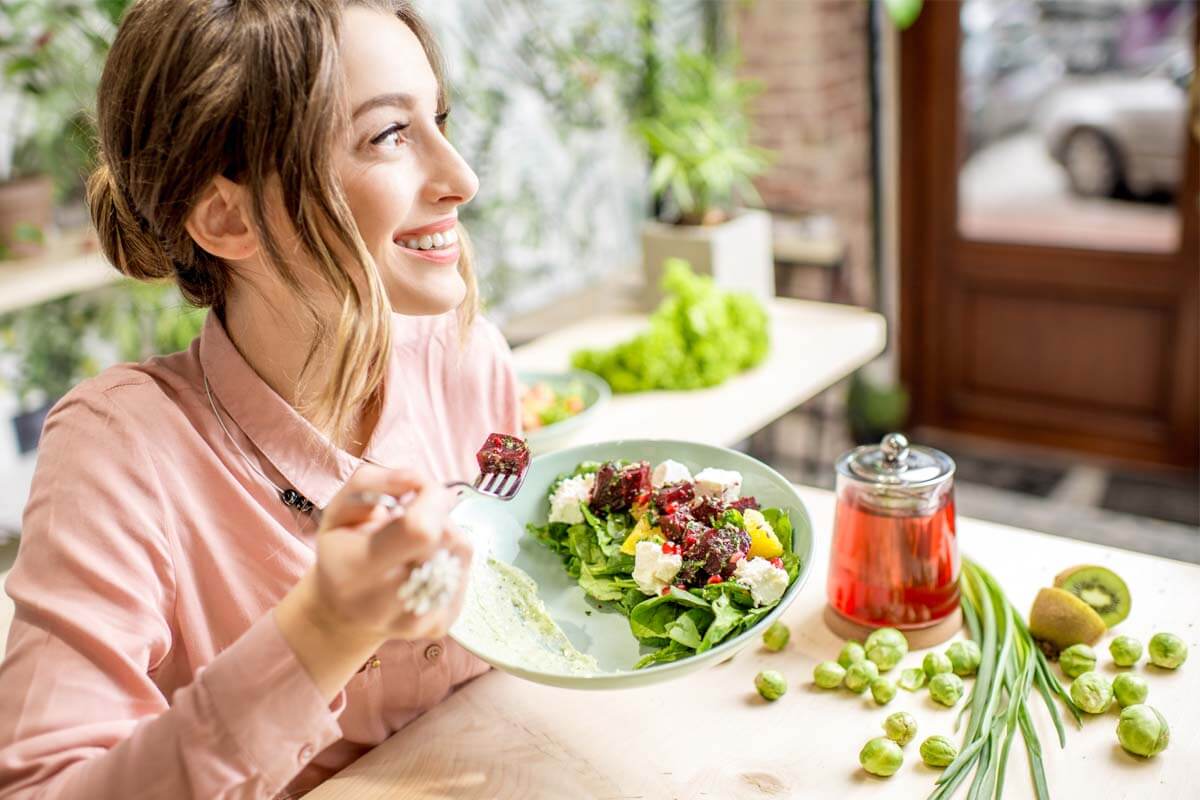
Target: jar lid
x,y
896,463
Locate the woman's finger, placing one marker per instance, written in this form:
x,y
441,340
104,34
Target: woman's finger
x,y
362,495
416,533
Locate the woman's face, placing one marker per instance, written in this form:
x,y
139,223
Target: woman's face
x,y
402,178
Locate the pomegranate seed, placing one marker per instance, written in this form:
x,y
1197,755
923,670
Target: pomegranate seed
x,y
669,548
671,508
715,579
777,562
665,590
736,557
690,539
681,587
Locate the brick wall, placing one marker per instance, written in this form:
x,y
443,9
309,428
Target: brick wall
x,y
813,60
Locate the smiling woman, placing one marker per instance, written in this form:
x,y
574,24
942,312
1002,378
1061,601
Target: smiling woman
x,y
218,601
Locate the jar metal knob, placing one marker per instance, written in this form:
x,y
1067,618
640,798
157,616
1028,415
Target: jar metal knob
x,y
895,449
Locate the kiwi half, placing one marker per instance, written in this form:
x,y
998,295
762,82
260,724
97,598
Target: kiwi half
x,y
1100,588
1059,619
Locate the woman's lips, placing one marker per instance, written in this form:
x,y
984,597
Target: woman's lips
x,y
442,255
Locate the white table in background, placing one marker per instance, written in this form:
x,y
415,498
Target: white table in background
x,y
813,346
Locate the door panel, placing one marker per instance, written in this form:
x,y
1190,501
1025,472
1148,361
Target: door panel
x,y
1031,310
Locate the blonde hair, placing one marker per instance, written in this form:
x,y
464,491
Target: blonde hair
x,y
251,90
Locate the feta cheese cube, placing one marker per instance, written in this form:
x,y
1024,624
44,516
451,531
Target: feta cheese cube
x,y
723,484
570,494
670,472
766,582
653,569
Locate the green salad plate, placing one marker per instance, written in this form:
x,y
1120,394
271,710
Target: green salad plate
x,y
498,628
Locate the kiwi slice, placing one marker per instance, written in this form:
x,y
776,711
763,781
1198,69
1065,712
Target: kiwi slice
x,y
1100,588
1059,619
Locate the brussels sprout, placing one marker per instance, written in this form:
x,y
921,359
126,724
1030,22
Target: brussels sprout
x,y
936,664
1092,692
828,674
886,647
913,679
1130,689
1077,659
883,691
900,727
776,637
770,684
1167,650
1125,650
881,756
1142,731
938,751
946,688
859,676
964,657
852,653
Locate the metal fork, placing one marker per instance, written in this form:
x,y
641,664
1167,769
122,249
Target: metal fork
x,y
501,486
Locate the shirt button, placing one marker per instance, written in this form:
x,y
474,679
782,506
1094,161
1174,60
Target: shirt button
x,y
433,652
306,754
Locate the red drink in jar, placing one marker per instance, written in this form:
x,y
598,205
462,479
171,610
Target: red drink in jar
x,y
894,557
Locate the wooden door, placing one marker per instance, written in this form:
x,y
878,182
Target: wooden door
x,y
1063,320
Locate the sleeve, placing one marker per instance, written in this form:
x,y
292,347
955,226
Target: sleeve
x,y
81,715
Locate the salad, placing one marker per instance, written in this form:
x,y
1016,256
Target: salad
x,y
686,558
542,404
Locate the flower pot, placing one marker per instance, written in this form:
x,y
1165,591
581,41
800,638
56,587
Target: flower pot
x,y
26,207
736,253
28,426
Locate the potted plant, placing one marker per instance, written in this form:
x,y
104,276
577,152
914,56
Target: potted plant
x,y
696,129
51,52
44,351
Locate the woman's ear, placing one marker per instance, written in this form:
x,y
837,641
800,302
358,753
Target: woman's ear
x,y
220,222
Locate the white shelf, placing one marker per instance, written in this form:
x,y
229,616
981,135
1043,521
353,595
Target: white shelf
x,y
66,269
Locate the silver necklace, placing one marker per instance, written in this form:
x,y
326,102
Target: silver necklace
x,y
290,497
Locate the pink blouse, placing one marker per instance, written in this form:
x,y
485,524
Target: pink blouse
x,y
142,661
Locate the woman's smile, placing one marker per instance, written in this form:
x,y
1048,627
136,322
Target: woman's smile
x,y
437,242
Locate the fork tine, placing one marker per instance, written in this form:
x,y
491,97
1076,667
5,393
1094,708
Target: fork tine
x,y
478,480
490,485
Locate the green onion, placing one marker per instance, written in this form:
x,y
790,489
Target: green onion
x,y
998,706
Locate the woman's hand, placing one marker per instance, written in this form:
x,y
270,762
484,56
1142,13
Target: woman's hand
x,y
346,606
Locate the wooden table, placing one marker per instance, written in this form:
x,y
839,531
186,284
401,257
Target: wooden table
x,y
813,346
710,736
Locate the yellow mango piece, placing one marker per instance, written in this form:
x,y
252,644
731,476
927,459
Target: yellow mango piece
x,y
763,542
640,531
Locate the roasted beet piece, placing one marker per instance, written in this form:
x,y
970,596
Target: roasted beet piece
x,y
677,525
672,496
505,454
743,503
708,510
618,488
718,547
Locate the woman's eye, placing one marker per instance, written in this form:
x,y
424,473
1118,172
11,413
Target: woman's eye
x,y
390,136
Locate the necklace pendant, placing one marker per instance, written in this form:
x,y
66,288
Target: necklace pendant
x,y
294,499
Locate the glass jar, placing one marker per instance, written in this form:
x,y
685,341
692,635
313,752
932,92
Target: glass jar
x,y
894,557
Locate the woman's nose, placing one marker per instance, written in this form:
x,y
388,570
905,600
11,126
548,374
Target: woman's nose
x,y
451,180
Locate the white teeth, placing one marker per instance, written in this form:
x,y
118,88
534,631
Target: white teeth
x,y
431,242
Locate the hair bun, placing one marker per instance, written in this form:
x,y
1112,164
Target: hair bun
x,y
125,235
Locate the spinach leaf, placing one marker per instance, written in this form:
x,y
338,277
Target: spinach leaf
x,y
687,628
725,620
672,652
603,588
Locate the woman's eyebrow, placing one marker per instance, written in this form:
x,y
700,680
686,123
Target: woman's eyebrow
x,y
399,100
